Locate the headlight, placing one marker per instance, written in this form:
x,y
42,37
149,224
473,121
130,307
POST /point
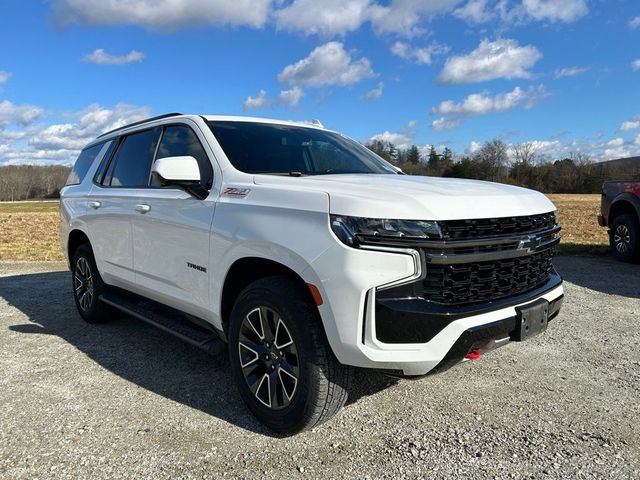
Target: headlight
x,y
355,230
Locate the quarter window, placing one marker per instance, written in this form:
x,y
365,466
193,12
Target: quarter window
x,y
83,163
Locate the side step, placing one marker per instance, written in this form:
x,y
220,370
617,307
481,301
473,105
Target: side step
x,y
168,320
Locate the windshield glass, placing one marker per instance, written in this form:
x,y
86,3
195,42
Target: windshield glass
x,y
283,149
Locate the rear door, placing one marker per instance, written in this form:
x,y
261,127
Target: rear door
x,y
171,234
113,201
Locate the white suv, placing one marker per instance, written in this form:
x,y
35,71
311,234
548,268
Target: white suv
x,y
304,252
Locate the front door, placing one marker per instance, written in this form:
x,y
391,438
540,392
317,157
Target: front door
x,y
171,232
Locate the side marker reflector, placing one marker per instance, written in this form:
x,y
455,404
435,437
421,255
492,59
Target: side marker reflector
x,y
315,293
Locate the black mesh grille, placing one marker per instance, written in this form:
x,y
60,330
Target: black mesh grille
x,y
490,227
484,281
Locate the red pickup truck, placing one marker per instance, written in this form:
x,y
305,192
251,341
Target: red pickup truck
x,y
620,211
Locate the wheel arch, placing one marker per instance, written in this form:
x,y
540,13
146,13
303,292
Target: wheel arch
x,y
76,238
247,270
624,204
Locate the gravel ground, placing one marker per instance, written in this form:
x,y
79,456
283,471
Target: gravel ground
x,y
123,400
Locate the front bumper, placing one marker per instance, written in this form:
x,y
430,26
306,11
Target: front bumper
x,y
349,310
414,320
449,338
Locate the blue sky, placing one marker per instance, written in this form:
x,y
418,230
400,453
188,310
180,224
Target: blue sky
x,y
561,74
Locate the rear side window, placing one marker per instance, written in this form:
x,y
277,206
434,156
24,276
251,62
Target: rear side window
x,y
83,164
178,141
132,162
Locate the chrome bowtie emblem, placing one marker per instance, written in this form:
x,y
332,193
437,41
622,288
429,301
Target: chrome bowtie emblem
x,y
530,243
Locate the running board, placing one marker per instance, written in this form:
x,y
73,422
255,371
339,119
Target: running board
x,y
168,320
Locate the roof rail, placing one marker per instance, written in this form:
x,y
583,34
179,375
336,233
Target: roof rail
x,y
140,122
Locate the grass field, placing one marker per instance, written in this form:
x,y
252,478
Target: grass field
x,y
29,230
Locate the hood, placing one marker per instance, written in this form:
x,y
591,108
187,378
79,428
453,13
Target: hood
x,y
417,198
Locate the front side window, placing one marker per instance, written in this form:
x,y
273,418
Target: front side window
x,y
83,164
283,149
131,165
179,141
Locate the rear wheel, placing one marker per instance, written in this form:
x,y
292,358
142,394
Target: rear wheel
x,y
88,286
624,238
280,358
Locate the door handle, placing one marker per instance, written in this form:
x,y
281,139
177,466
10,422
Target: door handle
x,y
94,204
142,208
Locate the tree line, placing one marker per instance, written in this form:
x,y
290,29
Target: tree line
x,y
494,161
521,165
25,182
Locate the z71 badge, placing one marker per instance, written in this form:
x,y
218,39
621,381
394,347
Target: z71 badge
x,y
236,192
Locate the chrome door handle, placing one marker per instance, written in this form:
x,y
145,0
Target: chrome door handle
x,y
94,204
142,208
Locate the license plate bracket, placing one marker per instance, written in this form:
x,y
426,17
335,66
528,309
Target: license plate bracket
x,y
531,320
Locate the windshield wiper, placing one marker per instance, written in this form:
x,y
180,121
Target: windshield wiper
x,y
285,174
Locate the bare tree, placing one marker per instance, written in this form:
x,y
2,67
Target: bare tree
x,y
526,153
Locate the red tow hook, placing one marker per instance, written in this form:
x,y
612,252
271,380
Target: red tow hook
x,y
473,354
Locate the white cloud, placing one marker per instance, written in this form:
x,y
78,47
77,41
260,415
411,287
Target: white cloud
x,y
635,65
475,12
570,72
89,123
292,97
328,64
632,124
419,55
404,17
163,14
401,139
253,103
634,23
60,142
11,114
4,77
478,104
326,18
555,10
100,57
503,58
374,93
616,142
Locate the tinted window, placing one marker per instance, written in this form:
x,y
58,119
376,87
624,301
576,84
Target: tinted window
x,y
179,141
133,159
83,163
281,149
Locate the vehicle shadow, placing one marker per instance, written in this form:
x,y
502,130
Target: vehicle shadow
x,y
141,354
600,273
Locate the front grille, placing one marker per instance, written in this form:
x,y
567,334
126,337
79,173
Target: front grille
x,y
468,283
490,227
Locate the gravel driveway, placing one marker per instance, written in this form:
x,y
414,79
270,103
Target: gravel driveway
x,y
123,400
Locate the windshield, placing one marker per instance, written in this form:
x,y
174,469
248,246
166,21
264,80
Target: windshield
x,y
289,150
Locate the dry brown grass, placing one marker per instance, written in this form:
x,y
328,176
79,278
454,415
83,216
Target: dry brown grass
x,y
29,230
580,230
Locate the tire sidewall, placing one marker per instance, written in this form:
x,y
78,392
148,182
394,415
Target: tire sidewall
x,y
295,318
93,314
632,224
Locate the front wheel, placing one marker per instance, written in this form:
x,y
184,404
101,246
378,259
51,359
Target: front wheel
x,y
280,358
625,238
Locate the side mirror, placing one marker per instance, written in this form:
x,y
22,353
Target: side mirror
x,y
182,172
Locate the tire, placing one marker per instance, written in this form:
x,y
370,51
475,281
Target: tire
x,y
624,238
88,286
276,336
